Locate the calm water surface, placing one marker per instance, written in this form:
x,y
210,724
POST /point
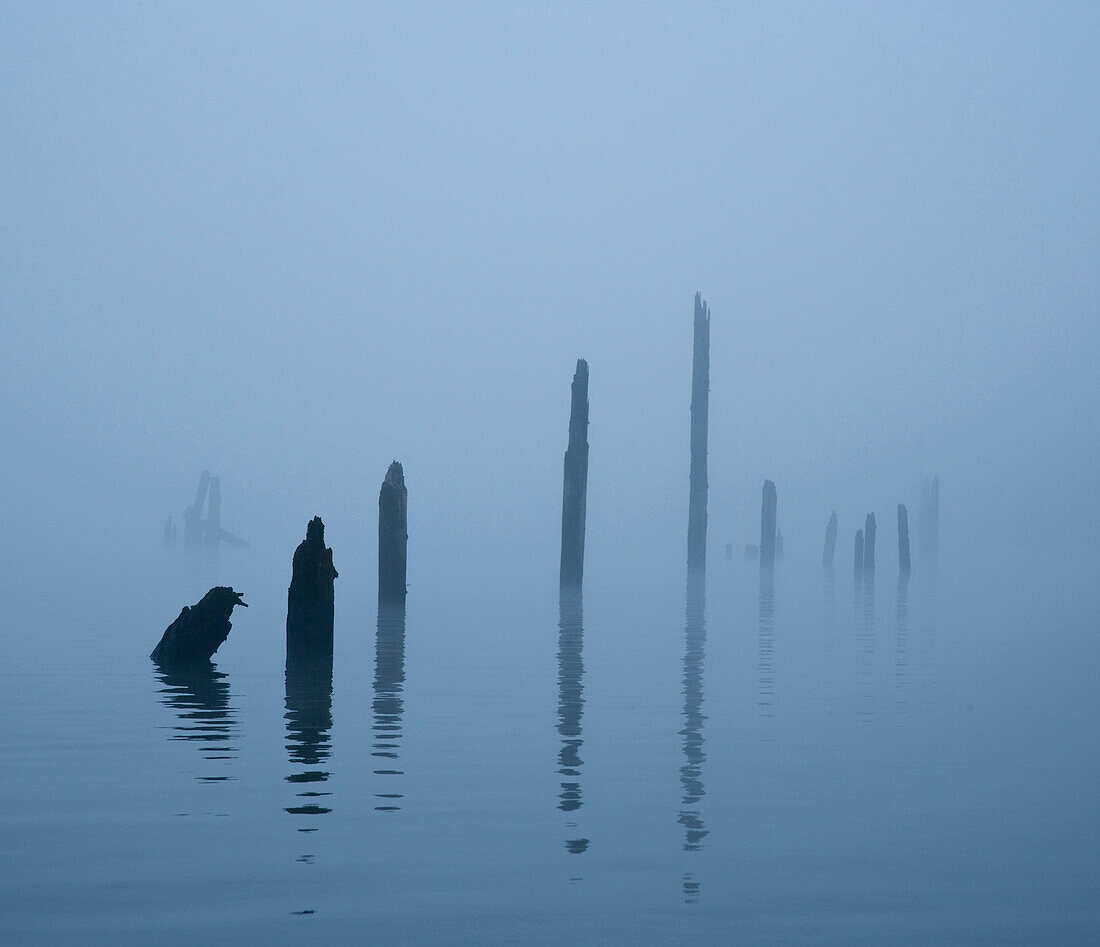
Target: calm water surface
x,y
795,760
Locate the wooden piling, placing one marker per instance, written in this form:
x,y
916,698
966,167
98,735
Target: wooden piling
x,y
869,545
767,525
310,598
393,536
700,409
905,566
575,482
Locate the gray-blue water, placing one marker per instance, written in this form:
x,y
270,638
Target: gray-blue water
x,y
798,760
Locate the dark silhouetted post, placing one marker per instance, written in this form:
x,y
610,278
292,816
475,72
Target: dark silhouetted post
x,y
700,407
575,488
830,541
859,553
310,598
767,526
393,536
905,565
869,545
199,630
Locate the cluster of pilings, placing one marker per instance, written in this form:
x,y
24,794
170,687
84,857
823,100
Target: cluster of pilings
x,y
199,531
310,604
199,630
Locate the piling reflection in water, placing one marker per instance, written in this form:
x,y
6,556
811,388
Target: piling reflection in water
x,y
570,704
765,661
865,646
901,645
691,773
389,684
199,694
308,722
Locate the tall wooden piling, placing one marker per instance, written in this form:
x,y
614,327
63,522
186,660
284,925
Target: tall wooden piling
x,y
700,409
575,486
393,536
905,566
830,541
767,525
869,545
310,598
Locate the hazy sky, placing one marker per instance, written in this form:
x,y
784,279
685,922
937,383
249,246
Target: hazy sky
x,y
292,244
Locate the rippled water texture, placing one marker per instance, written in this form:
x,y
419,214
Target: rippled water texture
x,y
790,758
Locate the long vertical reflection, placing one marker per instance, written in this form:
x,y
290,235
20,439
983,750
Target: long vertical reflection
x,y
389,684
308,721
901,645
570,704
691,773
765,661
865,644
199,693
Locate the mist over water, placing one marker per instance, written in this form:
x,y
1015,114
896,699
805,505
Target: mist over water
x,y
293,246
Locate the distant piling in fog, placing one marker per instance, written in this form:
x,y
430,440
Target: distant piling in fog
x,y
192,516
310,598
905,566
830,541
859,553
869,545
700,408
575,486
212,532
393,536
767,525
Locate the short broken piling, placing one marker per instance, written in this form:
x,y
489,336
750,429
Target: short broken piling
x,y
859,553
199,630
575,485
393,536
310,598
767,525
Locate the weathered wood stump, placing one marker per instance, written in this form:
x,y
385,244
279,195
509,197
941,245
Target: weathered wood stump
x,y
199,630
310,598
393,536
